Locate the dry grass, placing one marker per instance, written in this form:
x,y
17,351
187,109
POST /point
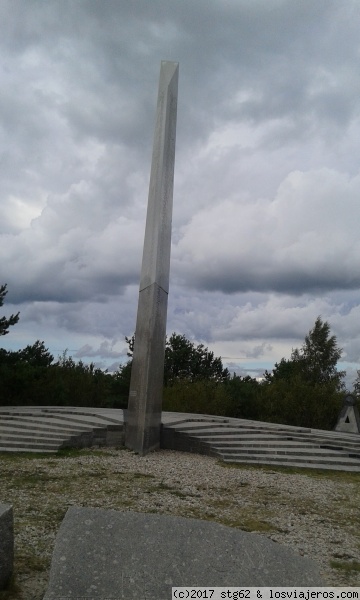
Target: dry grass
x,y
42,487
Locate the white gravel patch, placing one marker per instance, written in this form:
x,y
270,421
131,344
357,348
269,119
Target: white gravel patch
x,y
318,517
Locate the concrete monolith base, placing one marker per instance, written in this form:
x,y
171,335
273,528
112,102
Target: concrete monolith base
x,y
144,415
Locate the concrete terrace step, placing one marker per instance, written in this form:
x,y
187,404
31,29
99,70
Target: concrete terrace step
x,y
81,418
229,431
46,429
74,420
49,429
41,419
275,450
102,413
241,426
261,443
237,435
39,428
224,442
250,433
14,435
252,429
296,464
331,462
43,426
31,444
280,444
280,453
226,433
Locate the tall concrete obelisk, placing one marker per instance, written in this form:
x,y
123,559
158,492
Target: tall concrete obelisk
x,y
145,398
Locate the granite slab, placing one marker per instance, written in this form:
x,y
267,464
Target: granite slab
x,y
6,544
126,555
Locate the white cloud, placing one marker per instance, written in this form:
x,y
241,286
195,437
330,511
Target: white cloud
x,y
305,239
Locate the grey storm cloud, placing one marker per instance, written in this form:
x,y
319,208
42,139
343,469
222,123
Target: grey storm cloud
x,y
266,177
303,240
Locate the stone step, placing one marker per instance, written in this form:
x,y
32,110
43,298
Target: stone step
x,y
281,443
104,413
206,431
209,436
51,444
228,431
270,430
297,446
248,438
55,422
32,436
23,426
278,447
224,429
261,443
83,418
232,426
281,451
297,464
284,458
202,425
38,429
22,449
25,445
64,420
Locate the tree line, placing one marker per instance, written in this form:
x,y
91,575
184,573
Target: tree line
x,y
306,389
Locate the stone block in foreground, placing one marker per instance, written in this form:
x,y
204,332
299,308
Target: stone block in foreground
x,y
6,544
125,555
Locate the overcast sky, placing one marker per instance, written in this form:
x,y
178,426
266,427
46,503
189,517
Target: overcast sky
x,y
266,217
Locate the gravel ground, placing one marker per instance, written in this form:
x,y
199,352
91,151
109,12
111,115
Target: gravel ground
x,y
314,513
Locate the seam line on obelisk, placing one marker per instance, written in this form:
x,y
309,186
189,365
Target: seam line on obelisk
x,y
150,284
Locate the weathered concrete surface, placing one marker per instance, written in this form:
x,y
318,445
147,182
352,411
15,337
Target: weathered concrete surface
x,y
125,555
349,418
145,398
6,544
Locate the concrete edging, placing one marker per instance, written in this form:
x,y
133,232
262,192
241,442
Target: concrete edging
x,y
6,544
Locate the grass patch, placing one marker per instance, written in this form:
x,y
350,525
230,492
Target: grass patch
x,y
268,468
223,503
55,514
243,521
137,475
33,479
19,456
346,567
160,487
33,562
12,590
252,524
182,495
76,452
344,476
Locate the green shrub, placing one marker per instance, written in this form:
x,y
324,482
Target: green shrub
x,y
200,397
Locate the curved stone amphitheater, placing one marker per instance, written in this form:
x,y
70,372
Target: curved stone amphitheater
x,y
48,429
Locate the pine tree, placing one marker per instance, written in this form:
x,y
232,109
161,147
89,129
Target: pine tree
x,y
12,320
319,356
